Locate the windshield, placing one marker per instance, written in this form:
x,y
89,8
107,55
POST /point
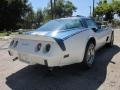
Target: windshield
x,y
60,24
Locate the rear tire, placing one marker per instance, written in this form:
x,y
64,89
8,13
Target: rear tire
x,y
89,55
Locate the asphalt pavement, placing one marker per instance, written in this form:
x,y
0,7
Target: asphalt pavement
x,y
105,74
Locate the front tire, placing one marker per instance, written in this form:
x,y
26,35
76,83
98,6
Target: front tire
x,y
89,55
110,44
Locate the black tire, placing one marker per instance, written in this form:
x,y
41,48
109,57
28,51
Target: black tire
x,y
86,62
110,44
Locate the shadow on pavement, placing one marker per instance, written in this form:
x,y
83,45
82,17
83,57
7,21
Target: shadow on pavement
x,y
72,77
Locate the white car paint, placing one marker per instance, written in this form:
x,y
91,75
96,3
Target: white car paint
x,y
75,44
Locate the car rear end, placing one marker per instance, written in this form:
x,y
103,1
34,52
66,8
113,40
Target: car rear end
x,y
36,50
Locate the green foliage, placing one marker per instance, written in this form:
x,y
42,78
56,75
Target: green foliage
x,y
16,14
2,34
69,8
39,19
115,22
61,8
108,9
28,20
3,13
104,9
12,13
33,19
116,7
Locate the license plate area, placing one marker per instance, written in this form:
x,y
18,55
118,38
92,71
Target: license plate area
x,y
24,57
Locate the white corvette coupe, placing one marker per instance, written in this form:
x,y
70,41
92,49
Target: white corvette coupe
x,y
62,42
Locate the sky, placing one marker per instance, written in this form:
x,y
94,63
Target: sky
x,y
83,6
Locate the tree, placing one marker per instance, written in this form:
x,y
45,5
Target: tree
x,y
116,22
33,19
3,12
69,8
61,8
39,18
105,10
12,13
116,7
108,10
19,8
28,20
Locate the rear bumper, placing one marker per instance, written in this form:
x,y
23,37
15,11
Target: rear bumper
x,y
36,59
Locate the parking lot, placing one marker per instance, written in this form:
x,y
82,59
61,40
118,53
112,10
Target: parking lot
x,y
105,75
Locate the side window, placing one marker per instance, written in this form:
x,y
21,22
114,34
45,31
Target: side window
x,y
91,24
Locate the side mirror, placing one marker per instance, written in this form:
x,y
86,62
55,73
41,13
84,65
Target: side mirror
x,y
95,29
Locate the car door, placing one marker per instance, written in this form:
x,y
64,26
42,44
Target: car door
x,y
100,34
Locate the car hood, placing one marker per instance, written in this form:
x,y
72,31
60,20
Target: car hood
x,y
60,34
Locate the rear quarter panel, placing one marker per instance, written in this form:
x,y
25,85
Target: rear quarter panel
x,y
76,45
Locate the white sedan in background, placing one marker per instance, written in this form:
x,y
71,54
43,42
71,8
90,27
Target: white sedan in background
x,y
62,42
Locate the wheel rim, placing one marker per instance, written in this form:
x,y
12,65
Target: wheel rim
x,y
90,54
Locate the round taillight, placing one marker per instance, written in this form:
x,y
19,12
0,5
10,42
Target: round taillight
x,y
38,47
12,42
16,43
47,47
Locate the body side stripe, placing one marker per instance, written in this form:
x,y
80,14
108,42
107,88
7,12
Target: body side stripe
x,y
74,34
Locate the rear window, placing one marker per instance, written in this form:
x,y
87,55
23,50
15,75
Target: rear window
x,y
61,24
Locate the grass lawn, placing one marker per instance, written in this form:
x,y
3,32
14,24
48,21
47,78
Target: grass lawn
x,y
3,34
